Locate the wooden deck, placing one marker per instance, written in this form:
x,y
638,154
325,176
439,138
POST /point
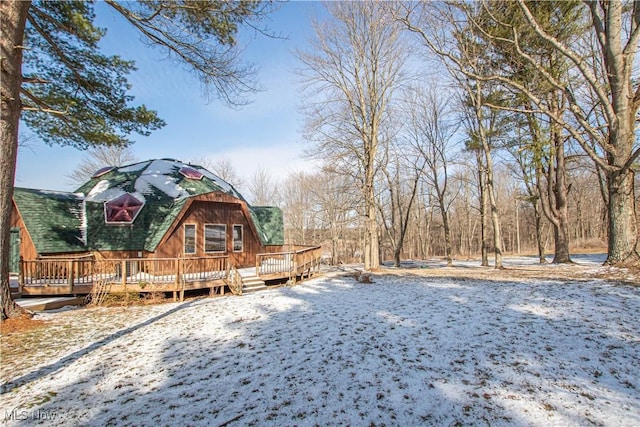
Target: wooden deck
x,y
79,276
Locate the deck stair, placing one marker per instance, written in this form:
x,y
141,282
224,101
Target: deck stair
x,y
251,282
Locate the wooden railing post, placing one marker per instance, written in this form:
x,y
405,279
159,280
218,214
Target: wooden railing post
x,y
179,271
21,276
123,271
177,281
70,267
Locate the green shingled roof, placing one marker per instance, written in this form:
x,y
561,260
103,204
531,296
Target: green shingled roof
x,y
53,219
269,223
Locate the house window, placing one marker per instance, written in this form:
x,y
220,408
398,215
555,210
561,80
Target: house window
x,y
189,238
237,238
215,238
122,210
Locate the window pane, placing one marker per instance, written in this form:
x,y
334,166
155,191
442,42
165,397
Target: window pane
x,y
237,238
189,239
215,238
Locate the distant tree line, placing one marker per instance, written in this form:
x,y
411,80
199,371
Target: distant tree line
x,y
464,128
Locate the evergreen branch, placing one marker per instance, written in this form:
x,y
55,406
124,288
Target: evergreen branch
x,y
41,105
34,80
213,67
579,62
56,49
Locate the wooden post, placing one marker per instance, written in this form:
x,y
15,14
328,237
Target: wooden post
x,y
257,265
177,281
181,275
21,276
123,271
70,275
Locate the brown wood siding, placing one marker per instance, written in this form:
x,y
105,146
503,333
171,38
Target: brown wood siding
x,y
27,247
202,212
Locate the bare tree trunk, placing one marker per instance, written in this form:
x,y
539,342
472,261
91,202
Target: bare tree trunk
x,y
560,192
486,148
495,216
539,239
483,210
623,231
372,247
14,17
447,232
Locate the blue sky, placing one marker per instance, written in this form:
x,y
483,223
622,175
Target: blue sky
x,y
265,134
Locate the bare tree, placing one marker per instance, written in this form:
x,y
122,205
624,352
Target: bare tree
x,y
223,167
602,97
431,127
403,173
336,197
299,206
527,167
99,157
263,188
350,72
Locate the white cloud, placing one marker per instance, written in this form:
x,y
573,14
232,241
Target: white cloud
x,y
279,160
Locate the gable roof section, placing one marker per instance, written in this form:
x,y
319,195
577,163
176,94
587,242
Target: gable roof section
x,y
53,219
269,223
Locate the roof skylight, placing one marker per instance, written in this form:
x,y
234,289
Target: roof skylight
x,y
122,210
103,171
191,173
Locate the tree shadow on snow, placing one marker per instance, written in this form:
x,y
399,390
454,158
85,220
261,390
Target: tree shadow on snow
x,y
71,358
419,351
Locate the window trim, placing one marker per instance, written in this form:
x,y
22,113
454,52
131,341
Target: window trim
x,y
195,239
106,208
233,238
204,235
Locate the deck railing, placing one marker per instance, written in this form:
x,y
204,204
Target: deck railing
x,y
274,262
205,268
57,271
304,261
138,271
161,274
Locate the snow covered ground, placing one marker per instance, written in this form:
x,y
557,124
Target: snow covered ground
x,y
405,350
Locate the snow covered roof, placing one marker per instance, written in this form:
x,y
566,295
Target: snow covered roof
x,y
165,178
129,208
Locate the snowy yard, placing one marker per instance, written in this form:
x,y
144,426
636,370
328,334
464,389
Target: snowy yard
x,y
409,349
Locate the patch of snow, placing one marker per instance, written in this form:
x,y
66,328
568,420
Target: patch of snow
x,y
165,183
581,259
404,350
103,192
156,174
80,213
